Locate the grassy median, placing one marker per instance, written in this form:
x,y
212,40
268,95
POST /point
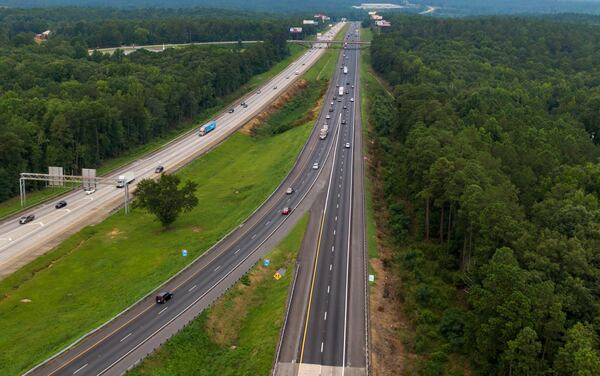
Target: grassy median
x,y
238,335
102,269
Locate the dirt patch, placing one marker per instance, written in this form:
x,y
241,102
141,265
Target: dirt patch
x,y
114,233
284,98
227,315
388,356
197,229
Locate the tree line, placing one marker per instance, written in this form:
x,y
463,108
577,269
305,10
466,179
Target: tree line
x,y
488,155
61,107
109,27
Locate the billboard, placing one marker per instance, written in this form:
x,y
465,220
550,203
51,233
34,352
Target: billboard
x,y
295,30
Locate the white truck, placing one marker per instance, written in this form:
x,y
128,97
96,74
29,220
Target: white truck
x,y
341,91
345,70
323,132
126,178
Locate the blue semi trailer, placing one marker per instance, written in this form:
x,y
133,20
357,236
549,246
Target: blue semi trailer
x,y
208,127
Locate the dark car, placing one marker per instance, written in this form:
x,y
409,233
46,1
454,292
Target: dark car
x,y
60,204
231,110
343,121
159,169
163,297
26,219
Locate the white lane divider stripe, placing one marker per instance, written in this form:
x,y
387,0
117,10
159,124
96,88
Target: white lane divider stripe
x,y
164,309
124,338
79,369
217,268
235,253
325,318
192,288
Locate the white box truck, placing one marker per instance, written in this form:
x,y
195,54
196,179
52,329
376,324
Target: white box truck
x,y
126,178
341,91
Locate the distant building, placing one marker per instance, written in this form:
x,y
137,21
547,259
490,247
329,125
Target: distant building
x,y
322,17
376,17
39,38
295,30
309,22
383,23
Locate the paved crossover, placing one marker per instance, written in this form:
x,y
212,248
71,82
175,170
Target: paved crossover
x,y
21,243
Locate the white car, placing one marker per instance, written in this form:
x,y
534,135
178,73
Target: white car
x,y
351,99
328,116
89,191
347,146
316,166
289,191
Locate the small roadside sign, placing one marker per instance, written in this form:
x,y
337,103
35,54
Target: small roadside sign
x,y
184,252
266,262
371,278
279,273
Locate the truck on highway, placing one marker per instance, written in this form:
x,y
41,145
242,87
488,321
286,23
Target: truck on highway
x,y
341,91
345,70
323,131
323,134
125,179
208,127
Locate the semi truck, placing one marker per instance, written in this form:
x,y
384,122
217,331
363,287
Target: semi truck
x,y
323,132
208,127
125,179
345,70
341,91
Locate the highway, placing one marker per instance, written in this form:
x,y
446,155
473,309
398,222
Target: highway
x,y
325,332
121,343
20,244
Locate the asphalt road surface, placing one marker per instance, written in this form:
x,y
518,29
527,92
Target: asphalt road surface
x,y
22,243
325,331
123,342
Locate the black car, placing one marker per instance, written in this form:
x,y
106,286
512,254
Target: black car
x,y
343,121
163,297
60,204
26,219
159,169
231,110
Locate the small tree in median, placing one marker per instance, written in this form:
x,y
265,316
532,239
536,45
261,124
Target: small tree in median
x,y
165,199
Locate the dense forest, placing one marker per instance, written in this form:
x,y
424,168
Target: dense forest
x,y
59,106
488,154
108,27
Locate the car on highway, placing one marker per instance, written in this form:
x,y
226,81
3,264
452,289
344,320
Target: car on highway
x,y
330,109
258,91
353,86
347,146
285,211
347,83
351,99
332,103
334,97
289,191
90,190
60,204
274,87
328,116
159,169
345,107
316,166
26,219
343,121
231,110
163,297
287,78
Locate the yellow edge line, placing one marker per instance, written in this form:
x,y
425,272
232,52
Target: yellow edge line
x,y
312,285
